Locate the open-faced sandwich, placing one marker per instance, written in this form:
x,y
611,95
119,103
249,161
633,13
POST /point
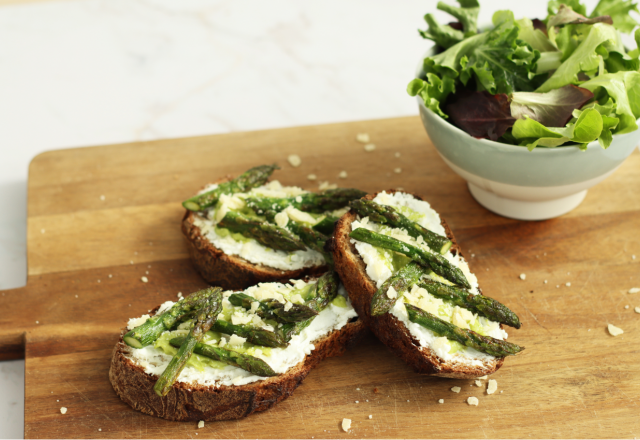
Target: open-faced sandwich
x,y
250,230
408,281
218,355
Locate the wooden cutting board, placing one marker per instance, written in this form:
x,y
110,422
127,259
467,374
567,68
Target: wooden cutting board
x,y
101,218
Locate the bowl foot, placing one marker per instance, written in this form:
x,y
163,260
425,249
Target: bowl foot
x,y
526,210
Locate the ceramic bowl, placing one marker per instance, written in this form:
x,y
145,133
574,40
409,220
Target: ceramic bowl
x,y
526,185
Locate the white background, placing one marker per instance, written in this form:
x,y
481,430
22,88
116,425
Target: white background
x,y
89,72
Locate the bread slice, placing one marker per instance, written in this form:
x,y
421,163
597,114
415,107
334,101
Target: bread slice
x,y
233,271
192,401
389,329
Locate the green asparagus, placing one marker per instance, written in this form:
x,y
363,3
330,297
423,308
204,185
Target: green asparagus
x,y
269,235
248,363
469,338
253,178
273,309
326,225
480,304
388,215
205,317
326,289
151,330
253,335
437,263
401,281
328,200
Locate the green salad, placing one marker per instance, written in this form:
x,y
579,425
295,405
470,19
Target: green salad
x,y
567,79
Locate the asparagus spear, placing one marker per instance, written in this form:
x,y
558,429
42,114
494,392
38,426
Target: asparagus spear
x,y
479,304
273,309
250,179
310,202
326,289
485,344
254,335
151,330
269,235
248,363
313,239
401,282
205,318
387,215
326,225
437,263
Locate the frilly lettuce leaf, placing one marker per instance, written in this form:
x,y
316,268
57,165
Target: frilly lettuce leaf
x,y
554,5
433,91
618,10
534,37
446,36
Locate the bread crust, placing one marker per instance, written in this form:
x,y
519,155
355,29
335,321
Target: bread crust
x,y
231,271
389,329
194,402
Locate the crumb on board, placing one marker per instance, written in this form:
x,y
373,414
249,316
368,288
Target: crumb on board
x,y
523,276
326,185
294,160
614,331
102,198
637,309
397,170
201,424
63,410
369,148
485,377
144,279
472,401
492,387
312,177
627,306
456,389
375,390
478,383
545,281
363,138
441,401
343,174
370,416
397,154
357,401
346,425
568,284
634,290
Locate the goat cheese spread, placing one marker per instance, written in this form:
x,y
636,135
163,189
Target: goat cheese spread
x,y
248,248
205,371
382,263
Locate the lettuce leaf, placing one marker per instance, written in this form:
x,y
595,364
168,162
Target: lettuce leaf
x,y
552,109
446,36
618,10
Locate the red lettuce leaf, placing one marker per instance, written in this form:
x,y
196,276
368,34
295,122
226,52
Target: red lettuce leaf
x,y
480,114
551,109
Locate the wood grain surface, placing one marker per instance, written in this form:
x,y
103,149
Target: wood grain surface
x,y
87,255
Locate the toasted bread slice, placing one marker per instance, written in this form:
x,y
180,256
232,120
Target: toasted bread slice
x,y
233,271
133,378
389,329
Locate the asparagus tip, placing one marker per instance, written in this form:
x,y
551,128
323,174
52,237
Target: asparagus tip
x,y
132,342
445,248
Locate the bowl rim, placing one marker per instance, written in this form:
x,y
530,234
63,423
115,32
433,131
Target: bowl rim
x,y
508,147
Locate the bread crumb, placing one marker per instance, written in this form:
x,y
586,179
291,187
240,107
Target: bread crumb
x,y
614,331
357,401
144,279
492,387
63,410
407,400
523,276
456,389
634,290
342,175
441,401
131,262
102,198
478,383
37,322
179,295
201,424
363,138
397,170
485,377
346,425
633,257
369,148
397,154
637,309
472,401
627,306
326,185
357,389
375,390
312,177
42,231
501,391
100,429
370,416
557,286
545,281
294,160
110,276
568,284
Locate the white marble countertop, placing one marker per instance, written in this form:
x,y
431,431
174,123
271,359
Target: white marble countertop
x,y
88,72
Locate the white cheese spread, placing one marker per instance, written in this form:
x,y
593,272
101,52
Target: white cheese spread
x,y
153,359
248,248
380,266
